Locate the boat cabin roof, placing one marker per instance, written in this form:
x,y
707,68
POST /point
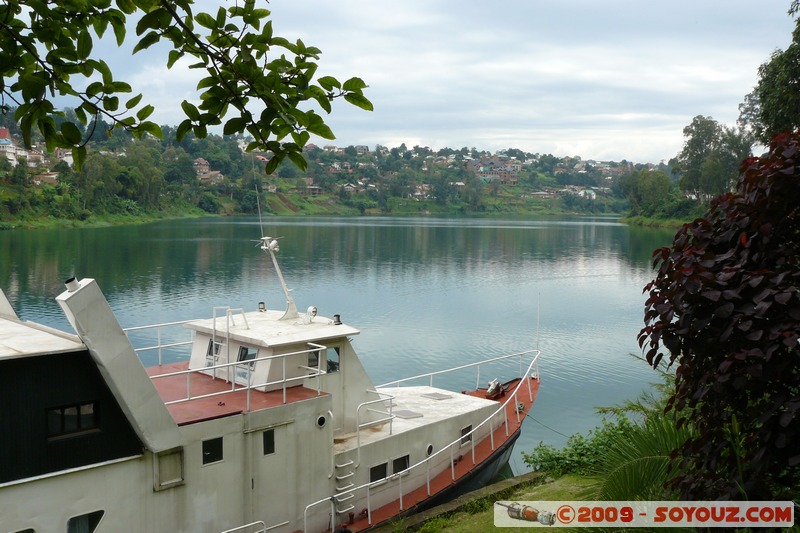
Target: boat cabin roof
x,y
23,339
265,328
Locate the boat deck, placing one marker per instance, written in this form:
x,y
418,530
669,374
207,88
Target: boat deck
x,y
464,467
194,410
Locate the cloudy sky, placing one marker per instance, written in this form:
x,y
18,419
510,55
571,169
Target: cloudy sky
x,y
601,79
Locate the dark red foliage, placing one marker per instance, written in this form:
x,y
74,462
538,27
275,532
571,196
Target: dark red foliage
x,y
724,307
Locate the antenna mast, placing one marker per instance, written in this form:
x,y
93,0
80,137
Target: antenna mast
x,y
268,244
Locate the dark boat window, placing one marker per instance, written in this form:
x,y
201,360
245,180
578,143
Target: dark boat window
x,y
86,523
313,359
466,435
213,350
247,354
269,441
334,358
378,472
72,419
212,451
400,464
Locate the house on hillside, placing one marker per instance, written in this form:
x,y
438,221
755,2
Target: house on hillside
x,y
204,172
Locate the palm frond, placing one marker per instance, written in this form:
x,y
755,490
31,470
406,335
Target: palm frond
x,y
637,467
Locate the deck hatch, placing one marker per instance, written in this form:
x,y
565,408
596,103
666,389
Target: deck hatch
x,y
436,395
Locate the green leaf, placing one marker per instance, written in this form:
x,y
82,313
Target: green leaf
x,y
174,56
272,164
359,100
191,110
111,103
155,19
71,133
152,128
145,112
205,20
234,125
329,82
183,128
133,102
105,72
120,87
81,114
301,138
319,128
94,89
32,86
84,44
147,41
354,84
298,159
78,156
100,25
209,81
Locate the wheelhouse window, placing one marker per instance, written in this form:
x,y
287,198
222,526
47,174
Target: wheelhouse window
x,y
86,523
400,464
313,358
247,353
212,353
466,434
212,451
378,472
269,441
334,358
72,419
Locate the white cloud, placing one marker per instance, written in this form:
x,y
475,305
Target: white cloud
x,y
618,78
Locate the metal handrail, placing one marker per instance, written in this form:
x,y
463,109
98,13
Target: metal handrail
x,y
532,371
158,346
249,386
257,523
388,418
447,371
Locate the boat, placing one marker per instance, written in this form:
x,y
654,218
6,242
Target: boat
x,y
247,421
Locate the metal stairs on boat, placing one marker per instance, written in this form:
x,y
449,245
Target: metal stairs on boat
x,y
344,482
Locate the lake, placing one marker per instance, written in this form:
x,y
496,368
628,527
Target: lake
x,y
425,292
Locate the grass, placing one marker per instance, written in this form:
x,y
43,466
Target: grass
x,y
477,515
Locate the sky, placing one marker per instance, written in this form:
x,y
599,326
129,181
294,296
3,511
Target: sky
x,y
599,79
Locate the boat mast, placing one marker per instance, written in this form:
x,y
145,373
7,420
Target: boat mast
x,y
270,245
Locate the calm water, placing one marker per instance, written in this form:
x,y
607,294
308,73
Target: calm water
x,y
425,292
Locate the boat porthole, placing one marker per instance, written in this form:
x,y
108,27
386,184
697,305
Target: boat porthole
x,y
429,450
321,420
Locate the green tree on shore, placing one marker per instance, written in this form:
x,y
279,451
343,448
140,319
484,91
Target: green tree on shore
x,y
254,81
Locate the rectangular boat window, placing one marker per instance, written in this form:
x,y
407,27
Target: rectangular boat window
x,y
378,472
213,350
269,441
400,464
86,523
334,355
247,354
72,419
212,451
466,435
313,359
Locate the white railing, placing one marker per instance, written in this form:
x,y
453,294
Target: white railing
x,y
159,345
387,416
262,527
248,366
532,370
